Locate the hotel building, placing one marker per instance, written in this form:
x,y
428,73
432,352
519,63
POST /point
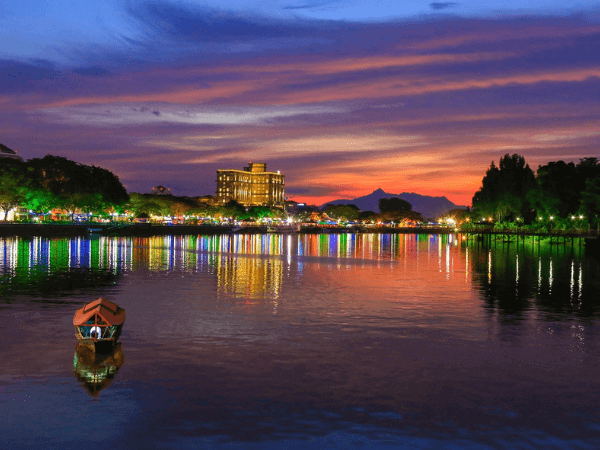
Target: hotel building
x,y
253,186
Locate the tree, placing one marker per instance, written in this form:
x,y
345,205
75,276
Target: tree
x,y
13,185
261,212
399,216
232,209
342,212
590,201
458,215
75,185
394,204
143,204
367,216
40,200
504,189
556,192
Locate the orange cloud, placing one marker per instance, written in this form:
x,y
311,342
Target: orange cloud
x,y
359,63
421,85
500,34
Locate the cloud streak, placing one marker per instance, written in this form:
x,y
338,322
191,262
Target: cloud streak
x,y
132,114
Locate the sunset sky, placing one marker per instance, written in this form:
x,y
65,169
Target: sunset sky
x,y
343,97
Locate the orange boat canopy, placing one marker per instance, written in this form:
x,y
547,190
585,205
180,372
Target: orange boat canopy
x,y
108,311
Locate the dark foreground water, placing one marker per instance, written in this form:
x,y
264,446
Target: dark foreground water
x,y
310,341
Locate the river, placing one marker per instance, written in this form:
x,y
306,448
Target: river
x,y
302,341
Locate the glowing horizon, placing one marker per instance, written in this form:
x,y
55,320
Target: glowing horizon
x,y
342,99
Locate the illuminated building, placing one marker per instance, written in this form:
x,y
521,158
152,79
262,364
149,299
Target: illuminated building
x,y
6,152
253,186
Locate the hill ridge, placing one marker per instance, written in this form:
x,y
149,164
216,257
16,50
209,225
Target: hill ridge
x,y
430,207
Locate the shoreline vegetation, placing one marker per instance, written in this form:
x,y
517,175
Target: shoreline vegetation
x,y
53,196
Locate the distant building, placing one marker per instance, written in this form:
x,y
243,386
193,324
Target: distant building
x,y
6,152
161,190
253,186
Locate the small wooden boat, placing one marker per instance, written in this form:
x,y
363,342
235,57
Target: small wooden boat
x,y
98,324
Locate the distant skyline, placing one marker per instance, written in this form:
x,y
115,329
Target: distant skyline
x,y
343,97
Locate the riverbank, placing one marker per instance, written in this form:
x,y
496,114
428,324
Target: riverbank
x,y
145,229
142,230
62,230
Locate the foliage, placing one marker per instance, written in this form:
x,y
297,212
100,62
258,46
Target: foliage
x,y
590,201
39,199
342,212
556,192
367,216
394,204
164,205
261,212
76,186
503,194
42,184
399,216
13,185
458,215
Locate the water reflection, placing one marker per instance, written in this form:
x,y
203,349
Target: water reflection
x,y
376,337
514,275
518,277
97,370
250,277
58,267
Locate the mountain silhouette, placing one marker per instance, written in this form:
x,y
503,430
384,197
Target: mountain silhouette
x,y
429,207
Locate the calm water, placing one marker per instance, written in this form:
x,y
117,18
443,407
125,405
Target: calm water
x,y
309,341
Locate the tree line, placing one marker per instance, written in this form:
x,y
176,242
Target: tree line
x,y
45,184
390,210
559,195
54,182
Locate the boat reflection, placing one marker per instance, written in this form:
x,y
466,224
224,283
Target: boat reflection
x,y
97,370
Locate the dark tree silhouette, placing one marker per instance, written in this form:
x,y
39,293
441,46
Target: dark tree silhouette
x,y
557,191
394,204
504,189
75,185
348,212
14,184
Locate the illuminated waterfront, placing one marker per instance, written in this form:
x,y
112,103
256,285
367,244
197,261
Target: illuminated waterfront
x,y
343,340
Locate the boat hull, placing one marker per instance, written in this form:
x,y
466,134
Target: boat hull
x,y
98,344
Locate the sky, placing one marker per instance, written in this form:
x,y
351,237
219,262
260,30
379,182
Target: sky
x,y
342,97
